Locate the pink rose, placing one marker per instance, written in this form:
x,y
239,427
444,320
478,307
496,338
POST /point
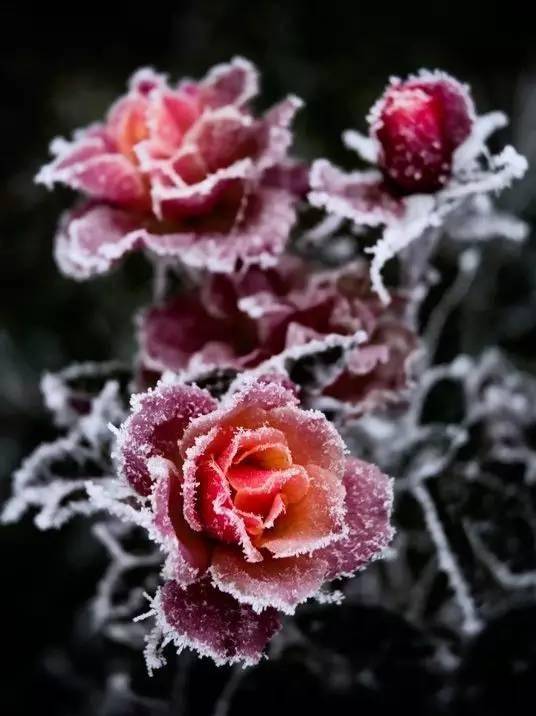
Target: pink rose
x,y
185,171
238,322
254,504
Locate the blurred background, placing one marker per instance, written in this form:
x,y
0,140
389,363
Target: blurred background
x,y
60,69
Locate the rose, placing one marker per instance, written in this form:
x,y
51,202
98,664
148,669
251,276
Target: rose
x,y
415,128
184,171
419,124
255,505
432,168
238,322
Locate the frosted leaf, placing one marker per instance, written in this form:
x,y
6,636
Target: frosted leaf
x,y
480,221
68,393
398,235
462,494
366,147
114,604
54,477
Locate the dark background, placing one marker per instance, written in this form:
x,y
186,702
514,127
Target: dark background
x,y
60,69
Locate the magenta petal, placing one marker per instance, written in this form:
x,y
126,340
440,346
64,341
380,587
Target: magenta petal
x,y
259,239
214,624
369,499
278,137
92,239
172,333
233,83
293,176
91,166
112,178
154,428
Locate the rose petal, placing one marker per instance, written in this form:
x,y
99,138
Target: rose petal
x,y
172,333
312,439
223,137
280,583
256,490
369,498
92,239
216,511
376,374
313,522
154,428
243,444
170,116
293,176
257,239
246,408
90,166
214,624
278,137
188,553
233,83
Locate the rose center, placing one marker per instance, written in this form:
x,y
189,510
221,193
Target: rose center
x,y
251,480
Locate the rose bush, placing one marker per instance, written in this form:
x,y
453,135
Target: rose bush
x,y
185,171
255,505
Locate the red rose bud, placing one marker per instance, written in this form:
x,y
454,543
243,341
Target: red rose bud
x,y
419,124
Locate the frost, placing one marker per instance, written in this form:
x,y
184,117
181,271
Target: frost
x,y
53,478
429,462
114,605
464,473
461,208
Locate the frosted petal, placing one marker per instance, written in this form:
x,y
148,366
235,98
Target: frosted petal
x,y
369,498
279,583
214,624
155,427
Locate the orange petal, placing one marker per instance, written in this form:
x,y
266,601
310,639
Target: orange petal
x,y
279,583
311,523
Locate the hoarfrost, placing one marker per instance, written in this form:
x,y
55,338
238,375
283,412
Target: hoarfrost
x,y
461,209
53,478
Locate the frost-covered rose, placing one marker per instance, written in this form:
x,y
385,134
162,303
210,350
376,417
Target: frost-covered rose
x,y
185,171
428,149
255,505
419,124
238,322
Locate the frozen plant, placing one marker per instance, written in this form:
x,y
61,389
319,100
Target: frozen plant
x,y
237,467
432,165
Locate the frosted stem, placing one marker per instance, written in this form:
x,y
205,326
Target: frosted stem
x,y
447,562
